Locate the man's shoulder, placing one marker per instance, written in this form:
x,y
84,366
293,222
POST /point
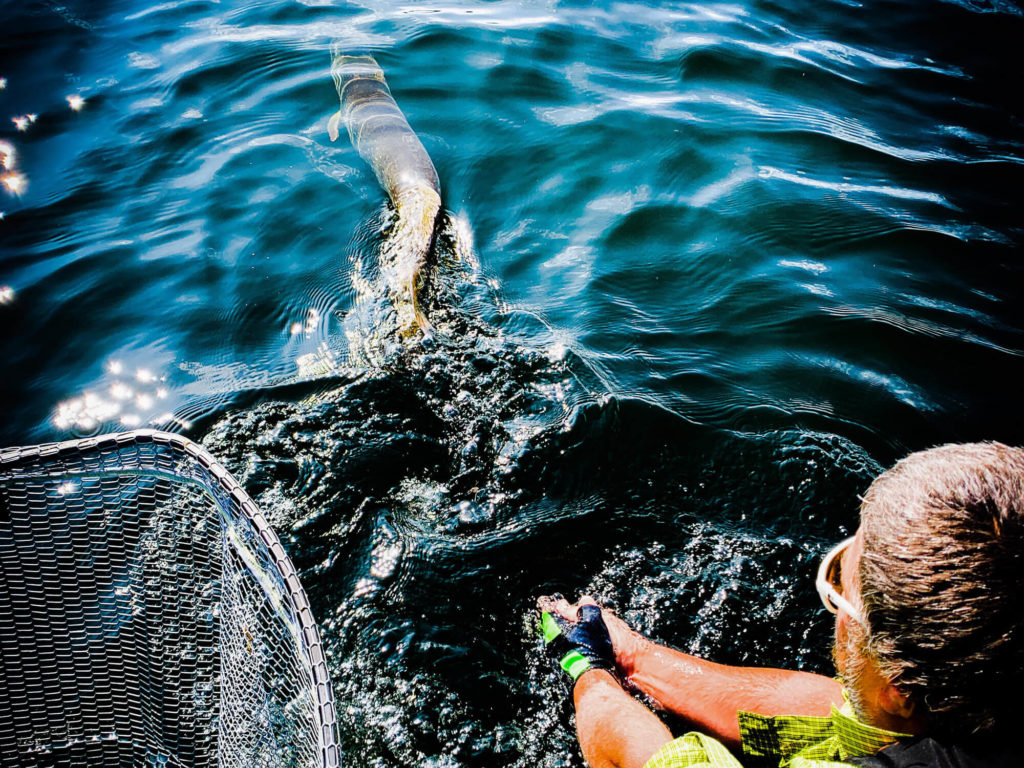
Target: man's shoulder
x,y
925,752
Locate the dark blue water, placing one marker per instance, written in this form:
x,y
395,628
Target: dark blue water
x,y
710,267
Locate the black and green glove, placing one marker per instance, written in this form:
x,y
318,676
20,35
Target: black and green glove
x,y
578,646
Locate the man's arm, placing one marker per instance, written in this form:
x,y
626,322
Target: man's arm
x,y
707,694
614,729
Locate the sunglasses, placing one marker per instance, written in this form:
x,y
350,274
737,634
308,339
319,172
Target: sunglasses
x,y
830,582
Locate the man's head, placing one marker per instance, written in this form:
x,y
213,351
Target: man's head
x,y
938,571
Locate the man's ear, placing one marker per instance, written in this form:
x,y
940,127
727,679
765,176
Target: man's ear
x,y
895,702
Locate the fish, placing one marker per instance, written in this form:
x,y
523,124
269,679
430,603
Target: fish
x,y
384,139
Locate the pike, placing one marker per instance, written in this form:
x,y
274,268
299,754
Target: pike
x,y
384,139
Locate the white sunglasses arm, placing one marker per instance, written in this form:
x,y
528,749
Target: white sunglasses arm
x,y
827,592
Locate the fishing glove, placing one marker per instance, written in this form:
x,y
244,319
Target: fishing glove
x,y
578,646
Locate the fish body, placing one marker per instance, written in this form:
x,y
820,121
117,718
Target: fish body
x,y
384,139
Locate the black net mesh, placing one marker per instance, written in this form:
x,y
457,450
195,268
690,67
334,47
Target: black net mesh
x,y
149,616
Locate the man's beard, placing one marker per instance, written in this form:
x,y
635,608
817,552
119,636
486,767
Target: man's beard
x,y
850,660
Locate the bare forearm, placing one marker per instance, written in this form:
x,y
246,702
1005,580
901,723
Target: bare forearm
x,y
709,695
614,730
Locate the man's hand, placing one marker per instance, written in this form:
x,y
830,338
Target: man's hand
x,y
578,646
705,693
626,644
614,729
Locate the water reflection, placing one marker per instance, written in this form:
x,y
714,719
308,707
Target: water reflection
x,y
129,399
309,326
8,155
14,182
22,122
322,362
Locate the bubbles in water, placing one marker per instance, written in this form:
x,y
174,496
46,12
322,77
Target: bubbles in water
x,y
319,363
385,560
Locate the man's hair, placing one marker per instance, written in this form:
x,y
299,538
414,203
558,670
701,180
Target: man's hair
x,y
942,582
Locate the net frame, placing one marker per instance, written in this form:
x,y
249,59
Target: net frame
x,y
44,486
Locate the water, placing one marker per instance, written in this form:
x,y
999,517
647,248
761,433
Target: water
x,y
710,267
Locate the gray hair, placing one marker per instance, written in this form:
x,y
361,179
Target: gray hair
x,y
942,582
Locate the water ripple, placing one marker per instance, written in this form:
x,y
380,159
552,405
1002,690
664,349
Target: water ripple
x,y
726,260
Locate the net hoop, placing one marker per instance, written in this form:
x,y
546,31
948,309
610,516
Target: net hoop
x,y
169,457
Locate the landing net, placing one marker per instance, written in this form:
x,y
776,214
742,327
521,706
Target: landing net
x,y
149,615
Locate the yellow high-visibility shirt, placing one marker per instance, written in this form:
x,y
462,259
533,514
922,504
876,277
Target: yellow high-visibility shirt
x,y
795,741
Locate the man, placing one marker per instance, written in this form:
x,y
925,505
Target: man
x,y
929,644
